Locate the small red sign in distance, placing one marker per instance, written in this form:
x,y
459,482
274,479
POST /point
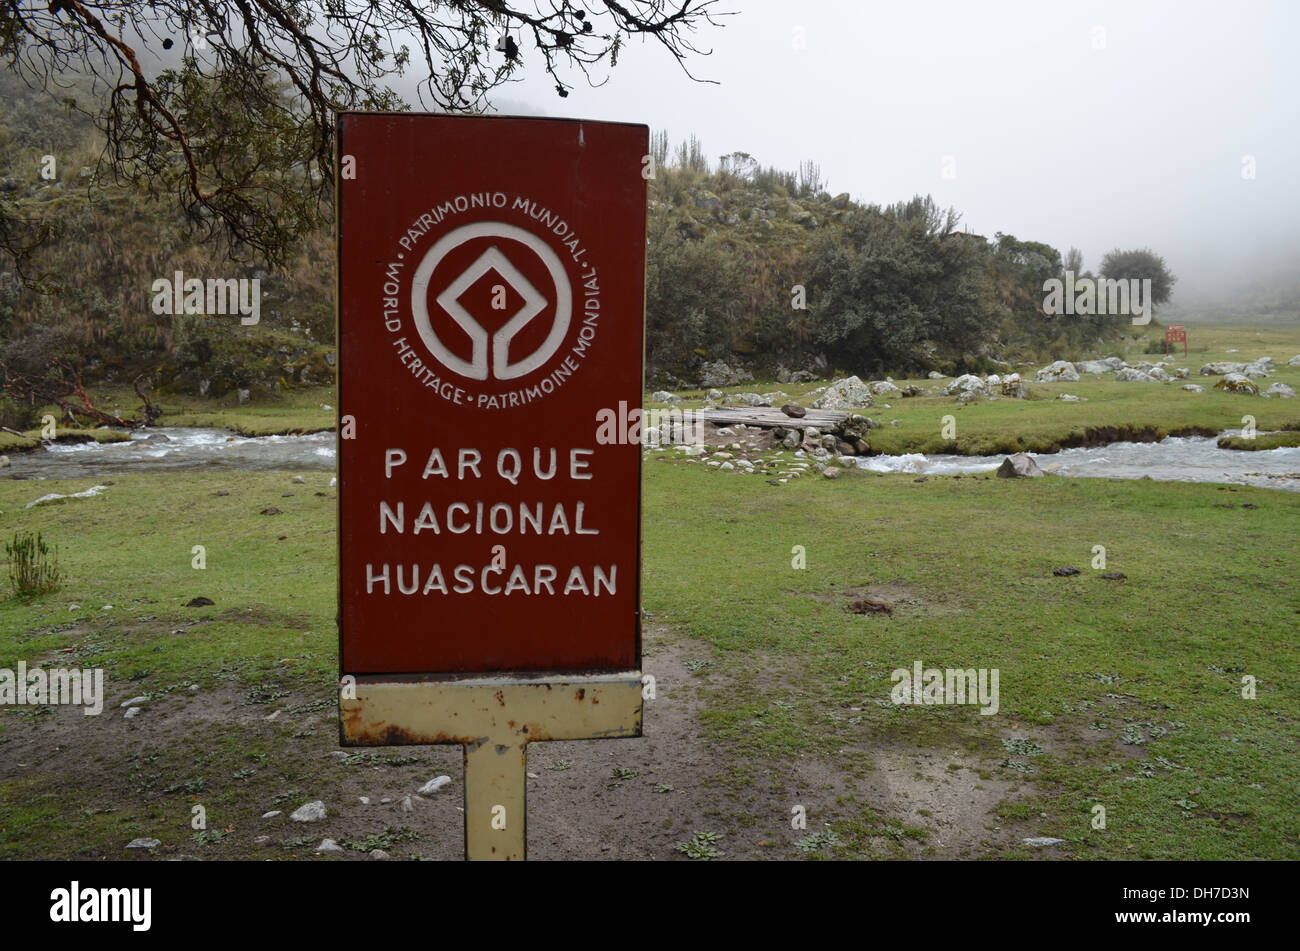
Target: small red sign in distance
x,y
490,304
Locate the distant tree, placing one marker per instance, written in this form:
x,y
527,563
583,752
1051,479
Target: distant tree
x,y
328,54
1074,261
1141,264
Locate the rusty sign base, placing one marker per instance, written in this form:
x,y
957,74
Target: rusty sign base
x,y
494,718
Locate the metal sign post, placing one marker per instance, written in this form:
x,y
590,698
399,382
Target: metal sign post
x,y
491,306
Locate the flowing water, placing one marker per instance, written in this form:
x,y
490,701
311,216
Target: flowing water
x,y
184,448
1176,459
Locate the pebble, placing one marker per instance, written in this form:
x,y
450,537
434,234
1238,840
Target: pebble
x,y
407,805
365,800
1040,841
379,854
143,844
272,814
134,702
329,845
133,711
434,785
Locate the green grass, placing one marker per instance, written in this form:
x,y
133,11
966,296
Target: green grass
x,y
31,438
1261,441
1156,659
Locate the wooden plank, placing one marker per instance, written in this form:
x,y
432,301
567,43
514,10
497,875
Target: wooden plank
x,y
770,417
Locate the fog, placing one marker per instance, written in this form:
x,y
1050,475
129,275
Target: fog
x,y
1094,125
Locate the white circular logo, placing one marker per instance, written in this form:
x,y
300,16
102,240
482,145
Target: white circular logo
x,y
490,353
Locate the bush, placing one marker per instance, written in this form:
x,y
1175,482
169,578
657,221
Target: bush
x,y
31,569
15,415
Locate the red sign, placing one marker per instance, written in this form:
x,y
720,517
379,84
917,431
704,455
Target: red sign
x,y
491,305
1175,333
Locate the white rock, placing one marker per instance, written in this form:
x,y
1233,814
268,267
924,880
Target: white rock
x,y
378,855
967,383
1061,371
143,844
1040,841
329,845
1282,390
1193,388
132,712
134,702
311,812
1068,397
407,805
434,785
272,814
848,393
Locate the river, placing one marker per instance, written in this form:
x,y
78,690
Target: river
x,y
1175,459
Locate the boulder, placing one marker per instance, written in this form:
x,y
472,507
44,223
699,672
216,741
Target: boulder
x,y
1224,367
1294,361
882,387
663,396
913,390
966,383
719,374
1237,383
1282,390
1193,388
1012,386
1018,466
849,393
1134,375
791,440
1100,366
936,375
1068,398
794,410
1062,371
831,472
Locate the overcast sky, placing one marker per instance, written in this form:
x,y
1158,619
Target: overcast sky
x,y
1095,125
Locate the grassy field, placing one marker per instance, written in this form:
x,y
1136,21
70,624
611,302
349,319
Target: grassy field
x,y
1121,693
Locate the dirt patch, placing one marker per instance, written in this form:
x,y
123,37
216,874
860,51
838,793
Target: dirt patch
x,y
241,752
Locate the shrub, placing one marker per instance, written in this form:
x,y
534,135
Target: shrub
x,y
32,570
